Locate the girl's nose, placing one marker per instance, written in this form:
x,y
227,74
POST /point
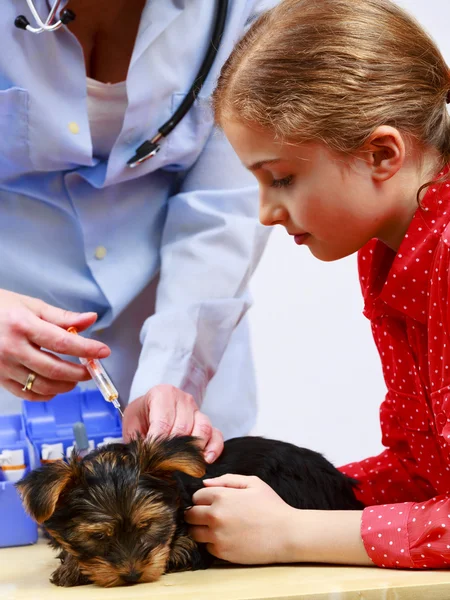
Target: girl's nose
x,y
272,215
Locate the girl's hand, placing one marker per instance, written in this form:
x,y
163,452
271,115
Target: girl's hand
x,y
242,520
167,410
29,328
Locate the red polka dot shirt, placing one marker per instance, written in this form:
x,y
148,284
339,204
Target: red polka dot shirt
x,y
406,489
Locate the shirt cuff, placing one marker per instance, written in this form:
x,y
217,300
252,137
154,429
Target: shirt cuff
x,y
384,531
182,371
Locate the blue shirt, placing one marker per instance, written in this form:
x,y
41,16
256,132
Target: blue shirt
x,y
163,252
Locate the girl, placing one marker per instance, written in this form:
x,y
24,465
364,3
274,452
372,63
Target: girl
x,y
338,107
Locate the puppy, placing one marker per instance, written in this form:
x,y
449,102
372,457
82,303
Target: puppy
x,y
117,514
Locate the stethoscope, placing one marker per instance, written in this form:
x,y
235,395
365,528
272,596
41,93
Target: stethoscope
x,y
150,147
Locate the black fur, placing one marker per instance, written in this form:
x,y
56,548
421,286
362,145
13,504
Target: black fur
x,y
301,477
118,514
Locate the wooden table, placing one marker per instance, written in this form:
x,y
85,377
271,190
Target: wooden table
x,y
24,574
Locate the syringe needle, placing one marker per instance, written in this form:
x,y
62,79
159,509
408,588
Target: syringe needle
x,y
101,378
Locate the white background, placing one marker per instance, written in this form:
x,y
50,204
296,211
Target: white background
x,y
318,371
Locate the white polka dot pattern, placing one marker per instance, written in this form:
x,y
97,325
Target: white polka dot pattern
x,y
406,489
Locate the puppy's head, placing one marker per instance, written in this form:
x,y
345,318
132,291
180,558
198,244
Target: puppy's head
x,y
114,512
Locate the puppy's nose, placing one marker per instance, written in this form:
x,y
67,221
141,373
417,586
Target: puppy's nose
x,y
132,577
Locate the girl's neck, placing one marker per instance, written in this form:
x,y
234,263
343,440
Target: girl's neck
x,y
416,171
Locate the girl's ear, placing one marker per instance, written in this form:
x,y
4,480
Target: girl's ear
x,y
385,151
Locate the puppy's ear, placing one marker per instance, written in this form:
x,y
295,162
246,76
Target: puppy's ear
x,y
40,490
162,457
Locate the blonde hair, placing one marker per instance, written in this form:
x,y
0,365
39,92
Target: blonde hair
x,y
335,70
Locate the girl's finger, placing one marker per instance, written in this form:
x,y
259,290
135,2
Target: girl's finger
x,y
229,481
203,497
201,534
197,515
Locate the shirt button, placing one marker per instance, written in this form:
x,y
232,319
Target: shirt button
x,y
100,252
74,127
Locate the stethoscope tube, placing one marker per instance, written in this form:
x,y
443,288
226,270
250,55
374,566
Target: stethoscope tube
x,y
65,18
150,147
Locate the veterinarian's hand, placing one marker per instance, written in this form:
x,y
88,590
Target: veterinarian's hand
x,y
28,328
241,519
167,410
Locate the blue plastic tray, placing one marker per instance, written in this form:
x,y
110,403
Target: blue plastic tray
x,y
16,527
47,423
52,422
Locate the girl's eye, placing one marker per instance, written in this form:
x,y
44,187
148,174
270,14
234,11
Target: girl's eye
x,y
279,183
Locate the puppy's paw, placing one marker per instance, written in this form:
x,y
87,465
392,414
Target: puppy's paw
x,y
187,555
202,558
68,573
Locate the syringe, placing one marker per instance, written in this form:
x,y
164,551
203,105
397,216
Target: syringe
x,y
101,378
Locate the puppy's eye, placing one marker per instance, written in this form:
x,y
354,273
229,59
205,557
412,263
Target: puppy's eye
x,y
99,536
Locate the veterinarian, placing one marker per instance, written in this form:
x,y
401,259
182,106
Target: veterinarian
x,y
340,108
150,256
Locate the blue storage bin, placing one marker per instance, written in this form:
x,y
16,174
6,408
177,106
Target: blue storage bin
x,y
16,527
52,422
47,423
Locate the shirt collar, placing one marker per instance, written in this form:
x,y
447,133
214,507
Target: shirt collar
x,y
401,280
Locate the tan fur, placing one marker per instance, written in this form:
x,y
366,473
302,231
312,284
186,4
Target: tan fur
x,y
181,553
68,574
146,512
155,461
64,473
183,464
103,574
116,535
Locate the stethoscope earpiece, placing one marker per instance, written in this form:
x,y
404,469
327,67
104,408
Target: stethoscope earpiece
x,y
66,17
21,22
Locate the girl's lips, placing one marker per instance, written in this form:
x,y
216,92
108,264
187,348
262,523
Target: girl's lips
x,y
300,238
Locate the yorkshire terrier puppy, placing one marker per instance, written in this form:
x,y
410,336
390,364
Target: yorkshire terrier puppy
x,y
117,514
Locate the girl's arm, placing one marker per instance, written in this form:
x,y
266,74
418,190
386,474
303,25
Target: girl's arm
x,y
242,520
326,536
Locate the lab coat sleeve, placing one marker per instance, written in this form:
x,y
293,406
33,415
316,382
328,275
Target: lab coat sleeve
x,y
212,242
